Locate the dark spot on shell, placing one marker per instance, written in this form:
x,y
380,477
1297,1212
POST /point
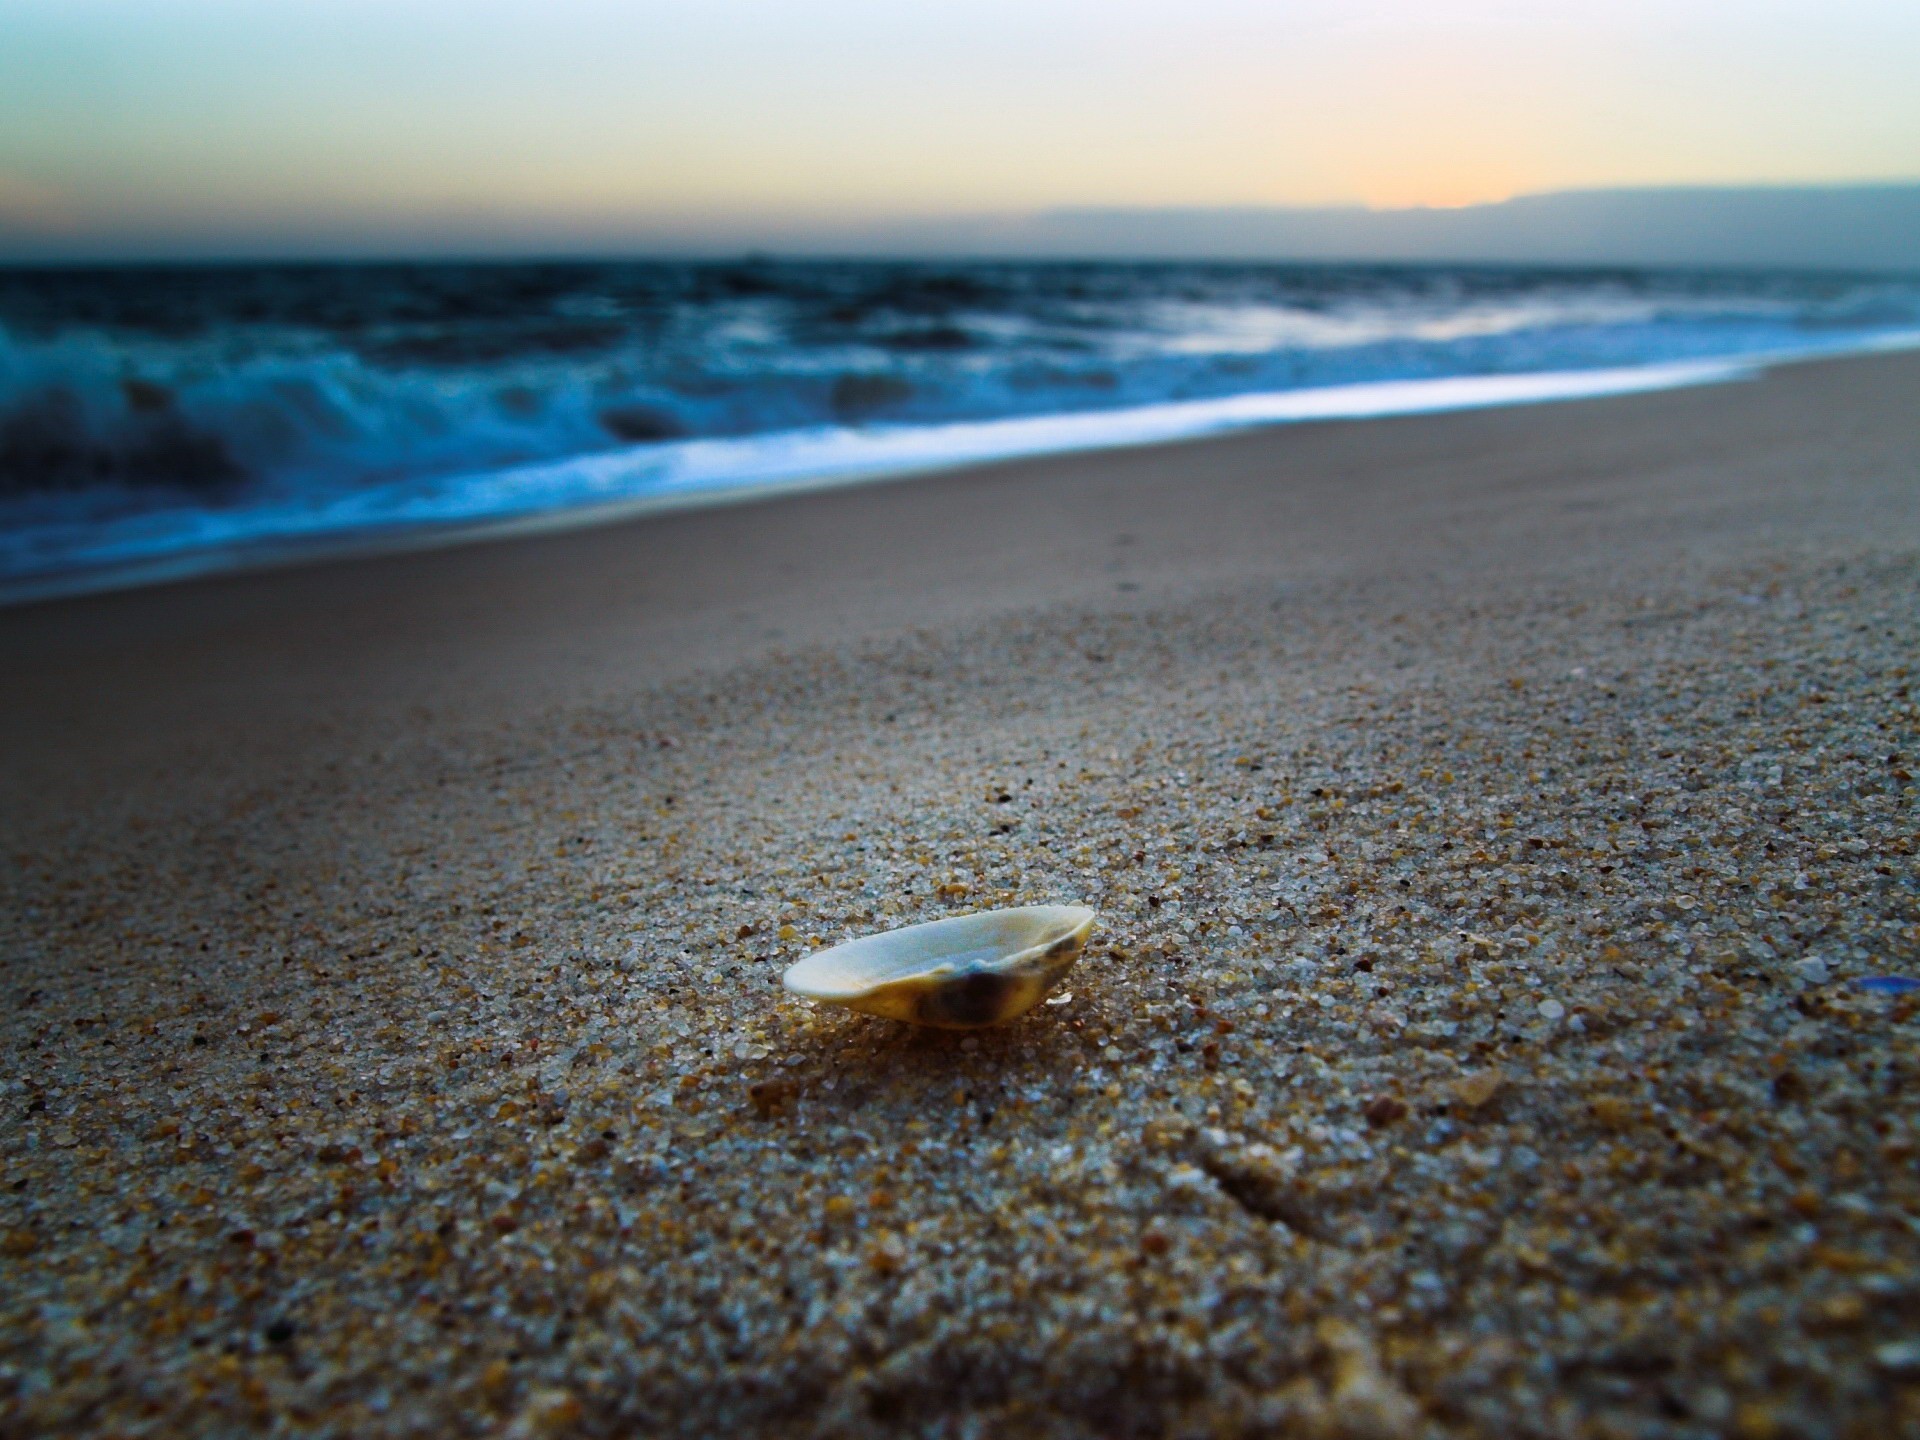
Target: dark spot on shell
x,y
977,999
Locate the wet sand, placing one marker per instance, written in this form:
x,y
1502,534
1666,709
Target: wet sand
x,y
1492,818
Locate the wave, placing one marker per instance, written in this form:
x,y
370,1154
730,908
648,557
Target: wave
x,y
150,417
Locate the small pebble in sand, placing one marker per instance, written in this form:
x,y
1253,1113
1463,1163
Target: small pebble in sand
x,y
1901,1357
1477,1089
772,1097
1384,1110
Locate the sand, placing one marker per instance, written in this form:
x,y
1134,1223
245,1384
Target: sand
x,y
1492,819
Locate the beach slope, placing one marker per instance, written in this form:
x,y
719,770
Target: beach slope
x,y
1503,830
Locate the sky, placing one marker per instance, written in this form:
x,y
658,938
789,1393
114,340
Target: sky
x,y
241,125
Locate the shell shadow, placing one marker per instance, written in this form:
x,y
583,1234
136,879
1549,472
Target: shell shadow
x,y
859,1068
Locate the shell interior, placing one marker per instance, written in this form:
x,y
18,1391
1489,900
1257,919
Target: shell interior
x,y
962,972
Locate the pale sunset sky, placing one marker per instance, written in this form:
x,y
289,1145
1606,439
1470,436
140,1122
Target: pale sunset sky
x,y
207,123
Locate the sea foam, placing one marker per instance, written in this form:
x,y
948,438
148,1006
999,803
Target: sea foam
x,y
170,422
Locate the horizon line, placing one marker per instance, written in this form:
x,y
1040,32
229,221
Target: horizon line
x,y
997,236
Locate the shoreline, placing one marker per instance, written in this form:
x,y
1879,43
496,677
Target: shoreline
x,y
729,472
1491,817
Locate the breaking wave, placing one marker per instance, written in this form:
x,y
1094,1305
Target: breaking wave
x,y
158,415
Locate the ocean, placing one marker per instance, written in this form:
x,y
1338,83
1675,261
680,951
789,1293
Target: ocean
x,y
158,422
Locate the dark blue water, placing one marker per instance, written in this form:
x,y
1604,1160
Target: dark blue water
x,y
166,414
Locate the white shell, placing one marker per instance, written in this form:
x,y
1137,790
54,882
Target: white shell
x,y
961,973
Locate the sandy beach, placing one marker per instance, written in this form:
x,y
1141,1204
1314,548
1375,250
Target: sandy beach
x,y
1492,818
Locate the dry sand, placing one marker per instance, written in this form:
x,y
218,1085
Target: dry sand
x,y
1491,816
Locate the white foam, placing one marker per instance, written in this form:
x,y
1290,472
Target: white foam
x,y
595,489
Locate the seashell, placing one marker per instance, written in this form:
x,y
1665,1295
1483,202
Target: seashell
x,y
961,973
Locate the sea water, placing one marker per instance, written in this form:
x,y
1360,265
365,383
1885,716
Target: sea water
x,y
159,422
